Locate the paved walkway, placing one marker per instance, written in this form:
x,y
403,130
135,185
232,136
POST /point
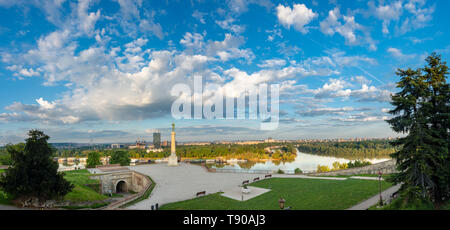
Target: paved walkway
x,y
386,195
236,193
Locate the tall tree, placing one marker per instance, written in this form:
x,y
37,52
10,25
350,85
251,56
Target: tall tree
x,y
93,159
33,172
421,112
120,157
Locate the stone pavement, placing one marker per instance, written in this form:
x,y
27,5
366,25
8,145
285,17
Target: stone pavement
x,y
184,181
236,193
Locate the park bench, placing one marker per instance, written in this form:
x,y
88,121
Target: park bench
x,y
245,182
201,193
268,176
256,179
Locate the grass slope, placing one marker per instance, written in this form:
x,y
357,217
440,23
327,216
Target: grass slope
x,y
300,194
81,192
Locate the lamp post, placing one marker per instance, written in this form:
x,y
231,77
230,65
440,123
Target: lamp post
x,y
281,202
379,179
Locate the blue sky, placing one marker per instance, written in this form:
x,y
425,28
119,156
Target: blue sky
x,y
103,70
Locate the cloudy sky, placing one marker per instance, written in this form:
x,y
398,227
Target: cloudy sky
x,y
102,71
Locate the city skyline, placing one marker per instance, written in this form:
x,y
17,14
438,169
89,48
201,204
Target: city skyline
x,y
102,71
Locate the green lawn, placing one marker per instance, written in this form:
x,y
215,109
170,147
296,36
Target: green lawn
x,y
81,192
302,194
384,176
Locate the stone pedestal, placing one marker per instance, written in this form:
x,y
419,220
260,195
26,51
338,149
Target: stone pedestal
x,y
173,160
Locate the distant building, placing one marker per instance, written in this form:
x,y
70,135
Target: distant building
x,y
269,140
157,140
138,145
117,146
165,143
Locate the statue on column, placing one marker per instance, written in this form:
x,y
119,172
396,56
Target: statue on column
x,y
173,159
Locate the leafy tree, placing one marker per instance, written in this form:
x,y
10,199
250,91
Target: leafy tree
x,y
421,111
93,160
120,157
33,172
5,158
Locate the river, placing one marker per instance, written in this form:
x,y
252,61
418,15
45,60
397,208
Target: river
x,y
305,162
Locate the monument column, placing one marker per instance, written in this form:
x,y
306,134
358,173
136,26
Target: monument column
x,y
173,159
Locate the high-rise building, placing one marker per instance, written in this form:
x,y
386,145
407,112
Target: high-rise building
x,y
157,140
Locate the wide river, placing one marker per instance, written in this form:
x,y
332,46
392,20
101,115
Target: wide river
x,y
305,162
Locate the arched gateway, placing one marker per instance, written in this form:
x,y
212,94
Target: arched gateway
x,y
121,187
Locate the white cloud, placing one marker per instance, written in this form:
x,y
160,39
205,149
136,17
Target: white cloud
x,y
272,63
86,20
298,16
388,13
397,53
334,88
227,24
325,111
199,16
45,104
420,18
347,27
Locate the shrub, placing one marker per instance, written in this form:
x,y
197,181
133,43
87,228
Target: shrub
x,y
339,166
298,171
358,164
323,168
280,171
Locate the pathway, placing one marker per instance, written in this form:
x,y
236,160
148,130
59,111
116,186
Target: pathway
x,y
386,195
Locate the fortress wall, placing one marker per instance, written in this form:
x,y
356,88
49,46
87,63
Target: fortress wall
x,y
386,167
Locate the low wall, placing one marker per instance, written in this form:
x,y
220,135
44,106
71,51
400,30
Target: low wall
x,y
386,167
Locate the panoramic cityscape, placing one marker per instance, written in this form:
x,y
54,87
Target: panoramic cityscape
x,y
224,105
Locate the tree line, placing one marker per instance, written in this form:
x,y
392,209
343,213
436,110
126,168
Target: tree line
x,y
350,150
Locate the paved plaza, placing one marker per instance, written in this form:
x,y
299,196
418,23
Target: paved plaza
x,y
184,181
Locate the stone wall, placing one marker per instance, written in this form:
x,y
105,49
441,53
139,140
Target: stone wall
x,y
139,182
136,182
386,167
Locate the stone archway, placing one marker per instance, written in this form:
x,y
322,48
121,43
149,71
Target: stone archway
x,y
121,187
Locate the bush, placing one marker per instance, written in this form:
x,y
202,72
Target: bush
x,y
298,171
280,171
322,168
339,166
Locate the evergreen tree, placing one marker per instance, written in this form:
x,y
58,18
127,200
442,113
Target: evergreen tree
x,y
33,172
421,112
